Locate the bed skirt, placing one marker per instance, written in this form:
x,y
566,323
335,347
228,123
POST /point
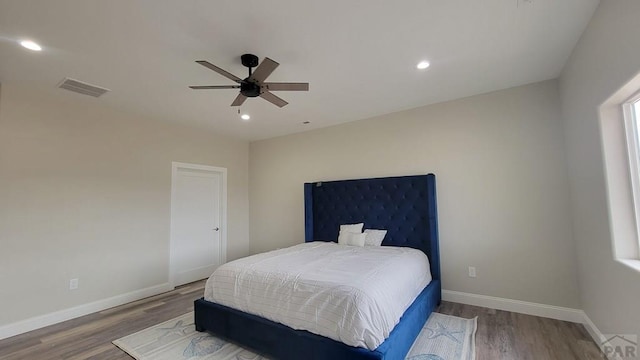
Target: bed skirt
x,y
281,342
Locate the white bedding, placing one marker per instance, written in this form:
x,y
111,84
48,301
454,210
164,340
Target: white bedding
x,y
355,295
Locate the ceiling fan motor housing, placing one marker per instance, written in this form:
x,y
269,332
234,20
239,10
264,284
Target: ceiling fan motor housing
x,y
249,89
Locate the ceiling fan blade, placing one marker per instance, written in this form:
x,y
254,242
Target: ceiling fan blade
x,y
273,99
207,87
263,70
239,100
218,70
280,86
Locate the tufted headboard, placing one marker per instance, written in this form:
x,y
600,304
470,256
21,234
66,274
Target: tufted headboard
x,y
405,206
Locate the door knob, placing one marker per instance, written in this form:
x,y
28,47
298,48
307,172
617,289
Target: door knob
x,y
216,229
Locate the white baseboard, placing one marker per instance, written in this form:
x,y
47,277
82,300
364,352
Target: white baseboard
x,y
41,321
523,307
592,329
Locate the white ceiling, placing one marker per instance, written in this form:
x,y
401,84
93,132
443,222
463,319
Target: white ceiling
x,y
358,56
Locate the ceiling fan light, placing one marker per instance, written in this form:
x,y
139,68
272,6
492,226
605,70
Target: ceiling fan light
x,y
245,117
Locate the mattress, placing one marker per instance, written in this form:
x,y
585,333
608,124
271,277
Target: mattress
x,y
355,295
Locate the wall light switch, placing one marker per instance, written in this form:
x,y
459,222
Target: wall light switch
x,y
73,284
472,271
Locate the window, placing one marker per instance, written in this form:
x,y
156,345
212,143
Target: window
x,y
631,114
620,130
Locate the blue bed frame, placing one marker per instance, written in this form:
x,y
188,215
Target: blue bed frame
x,y
404,206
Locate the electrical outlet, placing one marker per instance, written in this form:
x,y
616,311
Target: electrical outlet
x,y
73,284
472,271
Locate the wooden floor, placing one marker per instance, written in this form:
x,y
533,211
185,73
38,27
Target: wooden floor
x,y
500,335
507,335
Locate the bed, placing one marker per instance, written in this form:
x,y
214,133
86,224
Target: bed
x,y
406,208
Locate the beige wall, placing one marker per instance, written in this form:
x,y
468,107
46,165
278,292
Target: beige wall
x,y
85,192
501,180
605,59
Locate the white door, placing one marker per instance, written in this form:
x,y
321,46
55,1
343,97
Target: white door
x,y
198,244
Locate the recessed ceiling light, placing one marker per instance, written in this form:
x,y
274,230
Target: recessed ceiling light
x,y
245,117
423,65
30,45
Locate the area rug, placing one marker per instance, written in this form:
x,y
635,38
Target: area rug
x,y
443,337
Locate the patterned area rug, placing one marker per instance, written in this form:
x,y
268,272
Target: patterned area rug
x,y
443,337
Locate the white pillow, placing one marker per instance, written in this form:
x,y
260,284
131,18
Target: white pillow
x,y
374,237
357,239
343,237
350,238
354,228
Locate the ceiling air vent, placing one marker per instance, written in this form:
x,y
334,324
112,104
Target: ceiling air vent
x,y
82,88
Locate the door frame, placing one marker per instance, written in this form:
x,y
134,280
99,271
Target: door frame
x,y
175,167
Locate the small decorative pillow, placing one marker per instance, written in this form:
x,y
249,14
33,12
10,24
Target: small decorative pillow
x,y
374,237
354,228
344,237
350,238
357,239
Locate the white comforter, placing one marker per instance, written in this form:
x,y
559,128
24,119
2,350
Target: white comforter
x,y
355,295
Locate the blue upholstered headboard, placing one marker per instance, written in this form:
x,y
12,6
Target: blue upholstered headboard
x,y
405,206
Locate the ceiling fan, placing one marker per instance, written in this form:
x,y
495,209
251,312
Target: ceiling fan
x,y
254,85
